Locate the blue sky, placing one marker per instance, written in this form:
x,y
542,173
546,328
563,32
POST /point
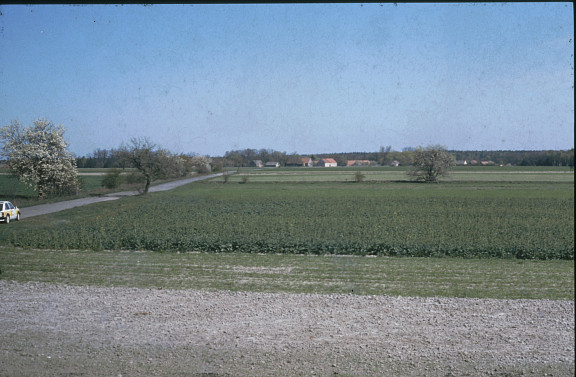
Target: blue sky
x,y
306,78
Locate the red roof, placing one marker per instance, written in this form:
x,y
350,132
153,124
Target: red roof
x,y
359,162
329,160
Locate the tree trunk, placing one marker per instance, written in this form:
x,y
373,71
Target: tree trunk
x,y
148,181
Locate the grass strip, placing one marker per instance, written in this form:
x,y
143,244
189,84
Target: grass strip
x,y
424,277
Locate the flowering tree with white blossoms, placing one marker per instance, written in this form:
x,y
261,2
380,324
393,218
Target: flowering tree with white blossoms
x,y
203,164
38,155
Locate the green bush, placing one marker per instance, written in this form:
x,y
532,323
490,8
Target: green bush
x,y
359,176
112,179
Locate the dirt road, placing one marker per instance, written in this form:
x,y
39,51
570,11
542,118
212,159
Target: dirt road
x,y
44,209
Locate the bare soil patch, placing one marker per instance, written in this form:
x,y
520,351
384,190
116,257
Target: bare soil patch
x,y
62,330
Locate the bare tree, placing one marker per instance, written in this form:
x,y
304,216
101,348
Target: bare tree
x,y
153,162
147,158
430,163
38,155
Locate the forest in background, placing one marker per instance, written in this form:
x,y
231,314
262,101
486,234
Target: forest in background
x,y
108,158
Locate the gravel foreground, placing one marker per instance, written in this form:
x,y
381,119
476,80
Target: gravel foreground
x,y
58,330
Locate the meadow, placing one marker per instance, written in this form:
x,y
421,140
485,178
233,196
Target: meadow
x,y
324,211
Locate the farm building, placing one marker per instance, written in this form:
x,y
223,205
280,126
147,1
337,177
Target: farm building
x,y
327,163
272,164
256,163
395,163
307,162
360,163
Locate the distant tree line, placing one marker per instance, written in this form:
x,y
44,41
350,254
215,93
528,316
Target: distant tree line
x,y
386,156
245,157
521,158
109,158
100,158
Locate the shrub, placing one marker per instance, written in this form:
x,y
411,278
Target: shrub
x,y
359,176
112,179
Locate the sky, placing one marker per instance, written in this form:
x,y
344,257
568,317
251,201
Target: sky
x,y
297,78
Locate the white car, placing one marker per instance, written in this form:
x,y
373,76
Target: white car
x,y
9,212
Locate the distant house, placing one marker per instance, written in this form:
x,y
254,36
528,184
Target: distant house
x,y
256,163
360,163
328,163
272,164
461,162
395,163
307,162
292,162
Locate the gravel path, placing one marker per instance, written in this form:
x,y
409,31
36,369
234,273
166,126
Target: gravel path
x,y
45,209
49,330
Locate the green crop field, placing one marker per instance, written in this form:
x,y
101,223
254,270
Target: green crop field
x,y
302,212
